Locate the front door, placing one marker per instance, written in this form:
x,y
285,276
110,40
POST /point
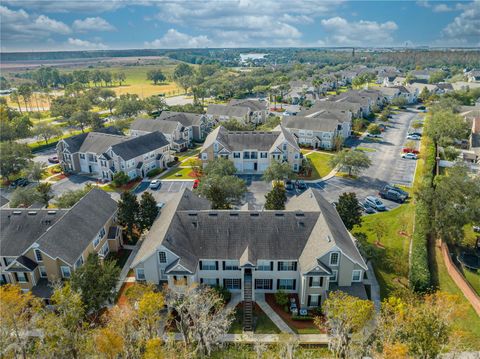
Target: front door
x,y
90,169
255,166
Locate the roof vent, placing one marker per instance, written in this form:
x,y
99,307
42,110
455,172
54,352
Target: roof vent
x,y
195,224
213,214
192,214
300,214
301,224
254,214
32,213
278,214
17,212
233,214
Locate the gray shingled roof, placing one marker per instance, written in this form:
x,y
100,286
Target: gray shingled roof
x,y
310,123
332,106
20,230
140,145
149,125
185,118
193,233
97,142
227,110
252,104
69,237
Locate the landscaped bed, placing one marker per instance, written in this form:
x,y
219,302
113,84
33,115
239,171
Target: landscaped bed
x,y
120,257
264,324
298,326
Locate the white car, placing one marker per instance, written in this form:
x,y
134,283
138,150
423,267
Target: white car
x,y
155,184
413,137
373,135
409,156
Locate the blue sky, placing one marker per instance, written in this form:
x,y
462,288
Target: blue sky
x,y
28,25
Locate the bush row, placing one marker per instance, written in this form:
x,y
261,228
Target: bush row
x,y
420,276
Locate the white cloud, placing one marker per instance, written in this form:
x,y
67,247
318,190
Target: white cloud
x,y
465,28
174,39
442,8
65,6
92,24
358,33
18,25
84,44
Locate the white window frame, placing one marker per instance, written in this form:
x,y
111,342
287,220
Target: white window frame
x,y
264,266
316,285
62,270
24,278
42,270
162,257
317,296
105,250
338,258
291,286
210,265
79,262
334,276
204,156
262,283
359,272
231,265
286,266
236,155
235,283
140,270
37,253
210,281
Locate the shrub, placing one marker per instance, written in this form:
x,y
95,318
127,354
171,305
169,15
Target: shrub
x,y
120,179
224,293
281,298
172,163
154,172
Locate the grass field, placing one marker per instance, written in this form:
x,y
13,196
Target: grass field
x,y
264,323
319,161
390,256
179,173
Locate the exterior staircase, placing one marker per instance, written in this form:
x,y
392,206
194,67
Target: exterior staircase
x,y
247,304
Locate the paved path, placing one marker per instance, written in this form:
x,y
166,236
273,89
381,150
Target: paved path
x,y
374,287
236,298
260,300
265,338
126,268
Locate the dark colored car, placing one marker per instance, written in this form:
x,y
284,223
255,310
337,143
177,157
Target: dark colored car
x,y
421,108
53,159
367,208
392,196
19,182
389,187
289,185
301,184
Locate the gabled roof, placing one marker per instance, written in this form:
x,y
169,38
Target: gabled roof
x,y
185,118
70,236
310,123
227,110
140,145
192,231
149,125
332,106
252,104
94,142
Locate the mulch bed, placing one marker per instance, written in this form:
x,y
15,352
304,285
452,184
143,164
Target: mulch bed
x,y
122,299
287,317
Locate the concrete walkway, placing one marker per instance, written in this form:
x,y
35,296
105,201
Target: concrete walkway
x,y
274,317
126,268
374,286
251,338
236,298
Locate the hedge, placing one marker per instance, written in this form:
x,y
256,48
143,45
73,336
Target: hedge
x,y
420,277
155,172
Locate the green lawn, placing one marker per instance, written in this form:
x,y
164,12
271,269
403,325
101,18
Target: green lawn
x,y
319,161
189,162
390,257
473,278
178,173
470,325
264,324
182,156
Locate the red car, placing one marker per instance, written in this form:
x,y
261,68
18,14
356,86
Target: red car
x,y
196,183
410,150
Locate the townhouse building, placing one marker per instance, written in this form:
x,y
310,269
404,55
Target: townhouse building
x,y
101,155
252,151
219,113
339,105
304,249
188,127
258,110
321,129
41,246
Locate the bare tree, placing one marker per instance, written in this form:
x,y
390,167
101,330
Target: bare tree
x,y
202,318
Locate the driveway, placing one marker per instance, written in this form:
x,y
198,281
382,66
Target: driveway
x,y
42,156
256,190
167,190
71,183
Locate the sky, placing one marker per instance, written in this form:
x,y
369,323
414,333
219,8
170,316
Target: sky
x,y
45,25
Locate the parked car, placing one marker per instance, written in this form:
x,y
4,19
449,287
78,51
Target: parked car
x,y
301,184
367,208
374,135
392,187
160,205
155,184
410,150
392,195
413,137
375,203
402,108
409,156
196,183
476,228
415,134
19,182
289,185
422,108
53,159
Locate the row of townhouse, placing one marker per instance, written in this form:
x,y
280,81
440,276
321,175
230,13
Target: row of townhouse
x,y
252,151
304,249
321,128
41,246
102,155
181,129
245,110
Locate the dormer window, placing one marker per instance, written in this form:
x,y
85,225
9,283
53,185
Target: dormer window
x,y
334,258
215,147
284,146
38,255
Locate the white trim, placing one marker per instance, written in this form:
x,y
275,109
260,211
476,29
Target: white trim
x,y
360,276
136,274
69,272
333,280
330,259
35,252
40,272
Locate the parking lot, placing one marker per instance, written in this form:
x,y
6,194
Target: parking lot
x,y
165,192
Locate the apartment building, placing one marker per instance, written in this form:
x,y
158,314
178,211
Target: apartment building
x,y
41,246
101,155
304,249
252,151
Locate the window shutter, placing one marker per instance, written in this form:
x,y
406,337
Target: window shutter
x,y
321,281
271,265
240,281
200,265
278,284
310,280
16,276
223,265
309,299
278,265
294,282
216,265
224,281
294,265
218,281
201,280
26,277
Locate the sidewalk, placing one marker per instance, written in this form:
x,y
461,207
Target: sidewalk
x,y
252,338
126,268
